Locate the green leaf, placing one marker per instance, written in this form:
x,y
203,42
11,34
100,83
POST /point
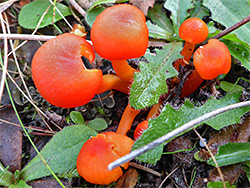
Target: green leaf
x,y
157,32
160,18
76,117
229,87
98,124
170,119
92,14
232,153
219,184
60,152
235,10
179,11
101,2
150,82
20,184
239,51
5,176
199,11
31,13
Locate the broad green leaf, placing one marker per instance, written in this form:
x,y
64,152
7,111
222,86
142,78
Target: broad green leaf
x,y
76,117
101,2
232,153
228,13
199,11
31,13
170,119
219,184
157,32
60,152
5,176
159,17
239,51
98,124
150,82
179,11
20,184
92,14
229,87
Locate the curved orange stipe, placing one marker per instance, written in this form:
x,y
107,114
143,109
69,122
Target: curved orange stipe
x,y
187,51
140,128
127,119
155,110
112,81
123,70
193,81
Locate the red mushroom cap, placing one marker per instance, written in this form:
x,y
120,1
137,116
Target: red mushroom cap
x,y
193,30
98,152
212,59
59,74
120,32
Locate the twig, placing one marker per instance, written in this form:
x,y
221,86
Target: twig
x,y
146,169
5,61
25,37
212,156
232,28
77,7
168,176
174,133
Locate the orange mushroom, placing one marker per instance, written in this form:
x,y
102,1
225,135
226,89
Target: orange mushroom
x,y
59,73
212,59
193,31
119,33
98,152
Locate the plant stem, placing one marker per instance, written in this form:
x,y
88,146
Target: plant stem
x,y
232,28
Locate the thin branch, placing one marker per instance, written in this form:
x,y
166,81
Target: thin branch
x,y
232,28
212,156
26,37
5,61
174,133
77,7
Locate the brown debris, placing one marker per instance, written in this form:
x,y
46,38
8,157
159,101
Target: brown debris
x,y
10,139
180,143
129,179
230,173
49,183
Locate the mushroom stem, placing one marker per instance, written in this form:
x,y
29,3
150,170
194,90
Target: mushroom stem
x,y
187,51
111,81
123,69
155,110
192,82
127,119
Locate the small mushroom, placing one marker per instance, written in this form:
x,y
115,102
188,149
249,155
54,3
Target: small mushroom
x,y
119,33
193,31
212,59
98,152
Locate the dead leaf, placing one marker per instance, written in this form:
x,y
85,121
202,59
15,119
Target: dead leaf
x,y
10,139
143,5
129,179
230,173
50,183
